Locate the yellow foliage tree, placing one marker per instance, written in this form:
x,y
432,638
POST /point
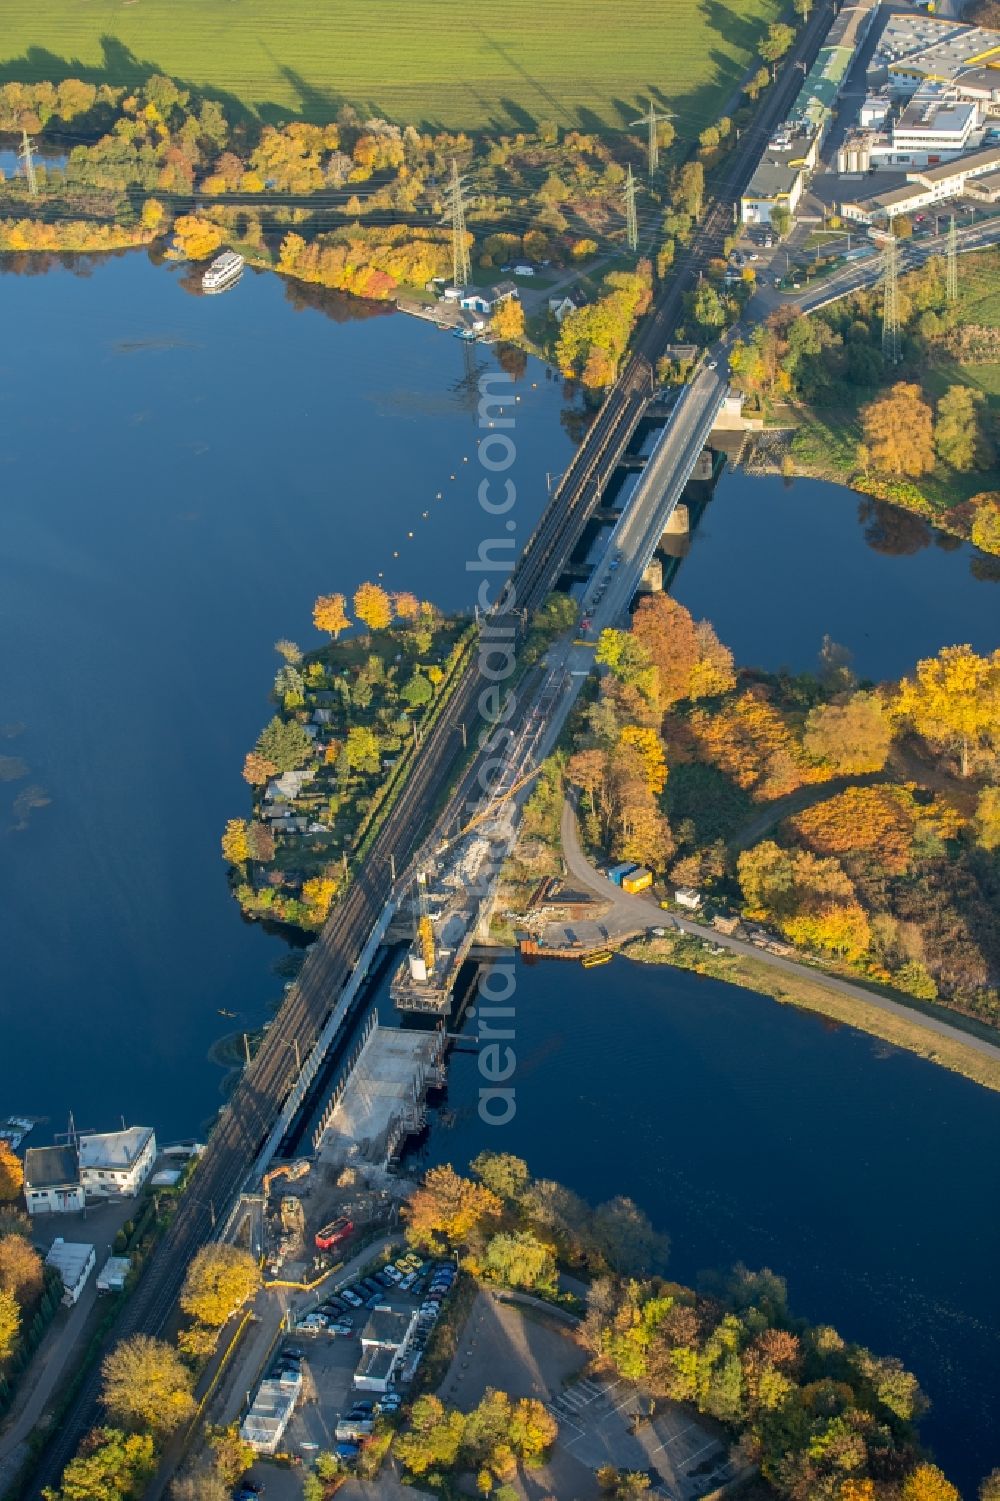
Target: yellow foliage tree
x,y
373,606
928,1483
647,743
899,431
330,614
508,320
954,699
21,1271
10,1323
196,237
235,843
406,605
11,1174
318,893
220,1279
988,818
146,1383
986,523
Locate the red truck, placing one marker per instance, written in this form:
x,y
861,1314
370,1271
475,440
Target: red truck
x,y
333,1233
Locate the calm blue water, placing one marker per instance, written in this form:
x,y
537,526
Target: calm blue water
x,y
777,566
180,477
753,1132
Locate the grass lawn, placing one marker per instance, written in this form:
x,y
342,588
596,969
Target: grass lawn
x,y
444,64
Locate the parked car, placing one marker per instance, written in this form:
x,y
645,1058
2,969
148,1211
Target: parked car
x,y
347,1450
351,1297
363,1404
292,1352
407,1282
342,1328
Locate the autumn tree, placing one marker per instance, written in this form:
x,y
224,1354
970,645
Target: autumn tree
x,y
289,650
11,1174
928,1483
406,605
233,1456
109,1466
849,737
330,614
21,1270
373,606
196,237
780,37
362,748
448,1208
10,1323
503,1174
986,523
508,320
690,660
953,700
257,769
899,433
235,846
260,842
989,1487
220,1279
146,1384
960,434
988,819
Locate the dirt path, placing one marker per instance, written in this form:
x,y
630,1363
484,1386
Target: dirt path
x,y
771,814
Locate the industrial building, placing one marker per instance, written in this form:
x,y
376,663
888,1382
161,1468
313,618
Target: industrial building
x,y
915,48
975,174
384,1340
264,1425
793,150
115,1164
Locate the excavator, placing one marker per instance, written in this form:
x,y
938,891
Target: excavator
x,y
289,1170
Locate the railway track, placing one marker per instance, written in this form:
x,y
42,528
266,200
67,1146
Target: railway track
x,y
246,1120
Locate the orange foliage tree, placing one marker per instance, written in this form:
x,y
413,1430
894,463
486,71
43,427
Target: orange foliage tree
x,y
330,614
11,1174
449,1208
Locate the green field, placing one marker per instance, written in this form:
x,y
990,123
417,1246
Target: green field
x,y
454,66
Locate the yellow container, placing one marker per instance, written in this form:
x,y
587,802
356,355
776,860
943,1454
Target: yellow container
x,y
637,880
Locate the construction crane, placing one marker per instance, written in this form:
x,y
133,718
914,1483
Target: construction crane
x,y
425,928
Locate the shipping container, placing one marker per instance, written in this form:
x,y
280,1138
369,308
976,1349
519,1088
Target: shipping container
x,y
637,879
616,873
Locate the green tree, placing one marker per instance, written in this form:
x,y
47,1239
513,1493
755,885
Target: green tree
x,y
777,42
417,691
519,1259
781,220
504,1174
758,83
109,1466
220,1279
689,189
627,1240
147,1385
285,743
960,435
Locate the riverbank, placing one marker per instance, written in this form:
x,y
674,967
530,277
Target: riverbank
x,y
959,1045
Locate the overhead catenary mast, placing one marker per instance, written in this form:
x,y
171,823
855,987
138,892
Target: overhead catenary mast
x,y
890,300
951,281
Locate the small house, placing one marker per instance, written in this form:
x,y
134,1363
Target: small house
x,y
74,1260
686,896
503,292
111,1277
566,302
476,302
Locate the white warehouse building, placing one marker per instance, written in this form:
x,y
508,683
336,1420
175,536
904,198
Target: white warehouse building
x,y
116,1164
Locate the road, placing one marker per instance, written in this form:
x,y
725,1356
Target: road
x,y
621,919
246,1122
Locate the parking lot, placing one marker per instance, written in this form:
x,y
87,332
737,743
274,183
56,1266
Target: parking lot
x,y
380,1322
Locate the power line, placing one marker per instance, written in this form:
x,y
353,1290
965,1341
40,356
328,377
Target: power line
x,y
29,163
461,264
890,300
652,121
951,282
631,220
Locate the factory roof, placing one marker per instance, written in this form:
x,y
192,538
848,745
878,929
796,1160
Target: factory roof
x,y
51,1167
114,1148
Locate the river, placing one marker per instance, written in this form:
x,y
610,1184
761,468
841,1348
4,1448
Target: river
x,y
181,476
753,1132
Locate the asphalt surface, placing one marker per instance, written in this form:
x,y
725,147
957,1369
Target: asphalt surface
x,y
247,1120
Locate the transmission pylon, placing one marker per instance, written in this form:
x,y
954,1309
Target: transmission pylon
x,y
631,219
890,300
651,119
28,160
951,282
461,264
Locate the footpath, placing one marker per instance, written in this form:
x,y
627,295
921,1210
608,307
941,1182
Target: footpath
x,y
622,917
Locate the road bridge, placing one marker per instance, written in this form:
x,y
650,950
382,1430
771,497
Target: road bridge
x,y
261,1103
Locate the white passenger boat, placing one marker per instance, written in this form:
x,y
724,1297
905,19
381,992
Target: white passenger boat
x,y
223,273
